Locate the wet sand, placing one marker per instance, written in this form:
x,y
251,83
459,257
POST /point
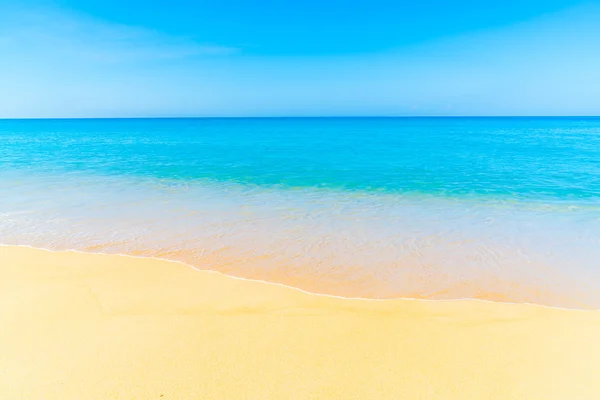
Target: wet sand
x,y
88,326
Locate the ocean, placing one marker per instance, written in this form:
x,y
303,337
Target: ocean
x,y
502,209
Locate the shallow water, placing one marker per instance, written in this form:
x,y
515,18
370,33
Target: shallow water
x,y
495,208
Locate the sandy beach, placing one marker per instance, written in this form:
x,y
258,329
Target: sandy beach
x,y
87,326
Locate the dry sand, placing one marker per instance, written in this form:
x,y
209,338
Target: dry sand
x,y
84,326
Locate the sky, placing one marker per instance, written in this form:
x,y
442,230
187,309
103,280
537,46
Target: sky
x,y
159,58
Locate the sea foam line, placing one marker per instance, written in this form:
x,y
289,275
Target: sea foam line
x,y
461,299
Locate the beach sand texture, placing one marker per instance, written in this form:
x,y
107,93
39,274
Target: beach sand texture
x,y
87,326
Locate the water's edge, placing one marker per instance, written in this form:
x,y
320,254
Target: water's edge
x,y
299,289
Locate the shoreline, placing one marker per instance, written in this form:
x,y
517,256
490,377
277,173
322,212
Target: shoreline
x,y
101,326
211,271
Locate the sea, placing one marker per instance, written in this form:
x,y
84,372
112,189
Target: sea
x,y
499,209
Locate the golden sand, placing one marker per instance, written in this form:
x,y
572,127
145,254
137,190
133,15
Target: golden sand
x,y
83,326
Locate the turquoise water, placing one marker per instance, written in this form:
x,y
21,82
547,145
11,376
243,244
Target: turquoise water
x,y
500,208
525,158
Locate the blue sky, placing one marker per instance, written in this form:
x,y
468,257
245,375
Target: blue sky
x,y
84,58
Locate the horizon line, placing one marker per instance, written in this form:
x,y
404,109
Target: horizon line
x,y
301,117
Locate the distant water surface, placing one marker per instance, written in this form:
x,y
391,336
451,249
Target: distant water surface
x,y
493,208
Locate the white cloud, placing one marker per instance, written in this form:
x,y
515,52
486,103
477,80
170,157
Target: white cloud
x,y
76,36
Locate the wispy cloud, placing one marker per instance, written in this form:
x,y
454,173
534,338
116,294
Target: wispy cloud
x,y
69,34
